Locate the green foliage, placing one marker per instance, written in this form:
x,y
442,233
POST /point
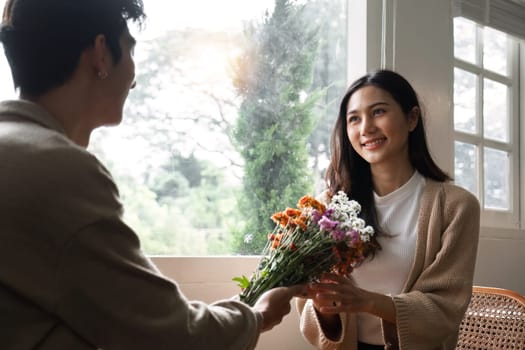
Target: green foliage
x,y
274,78
329,75
196,223
177,175
242,282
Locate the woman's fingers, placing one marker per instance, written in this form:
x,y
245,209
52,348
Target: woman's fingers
x,y
330,282
333,278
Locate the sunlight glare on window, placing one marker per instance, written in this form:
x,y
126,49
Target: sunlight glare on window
x,y
465,39
496,179
466,165
465,92
495,46
495,111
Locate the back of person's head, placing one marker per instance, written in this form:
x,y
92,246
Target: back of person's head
x,y
43,39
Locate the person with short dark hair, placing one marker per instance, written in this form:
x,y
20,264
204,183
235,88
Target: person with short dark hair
x,y
72,273
415,285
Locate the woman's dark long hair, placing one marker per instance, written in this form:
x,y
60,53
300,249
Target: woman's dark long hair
x,y
350,173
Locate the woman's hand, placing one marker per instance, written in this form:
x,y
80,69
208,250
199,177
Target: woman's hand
x,y
336,294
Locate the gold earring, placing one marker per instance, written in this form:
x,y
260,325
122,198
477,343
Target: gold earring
x,y
102,75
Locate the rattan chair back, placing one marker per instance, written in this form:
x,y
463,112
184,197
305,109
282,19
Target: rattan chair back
x,y
495,320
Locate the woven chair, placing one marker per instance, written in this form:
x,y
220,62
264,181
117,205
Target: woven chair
x,y
495,320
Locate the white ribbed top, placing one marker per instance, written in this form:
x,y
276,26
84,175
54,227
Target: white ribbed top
x,y
388,271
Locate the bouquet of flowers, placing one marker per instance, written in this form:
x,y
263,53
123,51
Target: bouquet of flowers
x,y
307,241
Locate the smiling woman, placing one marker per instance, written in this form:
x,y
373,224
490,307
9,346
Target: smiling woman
x,y
178,156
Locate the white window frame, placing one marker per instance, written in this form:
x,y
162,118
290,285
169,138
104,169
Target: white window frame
x,y
521,97
507,219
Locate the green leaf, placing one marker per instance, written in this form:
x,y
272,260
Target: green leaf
x,y
242,282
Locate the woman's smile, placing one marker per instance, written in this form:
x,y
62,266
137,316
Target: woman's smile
x,y
374,143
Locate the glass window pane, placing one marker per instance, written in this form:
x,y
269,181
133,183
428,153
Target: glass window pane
x,y
465,166
495,111
465,39
179,158
496,179
495,50
465,92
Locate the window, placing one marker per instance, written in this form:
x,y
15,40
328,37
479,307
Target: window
x,y
486,119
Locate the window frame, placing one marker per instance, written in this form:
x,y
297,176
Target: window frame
x,y
506,219
521,97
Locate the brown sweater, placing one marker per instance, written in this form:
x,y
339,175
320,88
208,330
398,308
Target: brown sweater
x,y
439,286
72,274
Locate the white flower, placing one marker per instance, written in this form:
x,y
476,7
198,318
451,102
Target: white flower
x,y
369,230
366,233
248,238
358,224
346,225
355,206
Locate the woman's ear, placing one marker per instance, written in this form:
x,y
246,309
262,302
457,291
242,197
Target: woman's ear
x,y
413,118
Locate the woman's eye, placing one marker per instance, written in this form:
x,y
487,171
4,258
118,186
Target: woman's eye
x,y
353,119
378,111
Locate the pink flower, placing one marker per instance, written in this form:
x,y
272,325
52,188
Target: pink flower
x,y
354,235
328,212
316,216
326,224
338,235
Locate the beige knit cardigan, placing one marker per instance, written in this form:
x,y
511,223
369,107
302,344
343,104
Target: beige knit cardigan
x,y
438,289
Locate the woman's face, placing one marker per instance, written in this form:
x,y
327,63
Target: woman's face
x,y
377,128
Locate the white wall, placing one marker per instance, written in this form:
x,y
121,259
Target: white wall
x,y
210,279
413,37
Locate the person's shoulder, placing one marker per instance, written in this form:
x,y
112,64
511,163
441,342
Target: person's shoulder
x,y
63,158
42,159
80,184
78,168
454,196
29,143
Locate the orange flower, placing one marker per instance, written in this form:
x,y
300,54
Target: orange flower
x,y
301,222
346,257
281,218
292,212
311,202
276,239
